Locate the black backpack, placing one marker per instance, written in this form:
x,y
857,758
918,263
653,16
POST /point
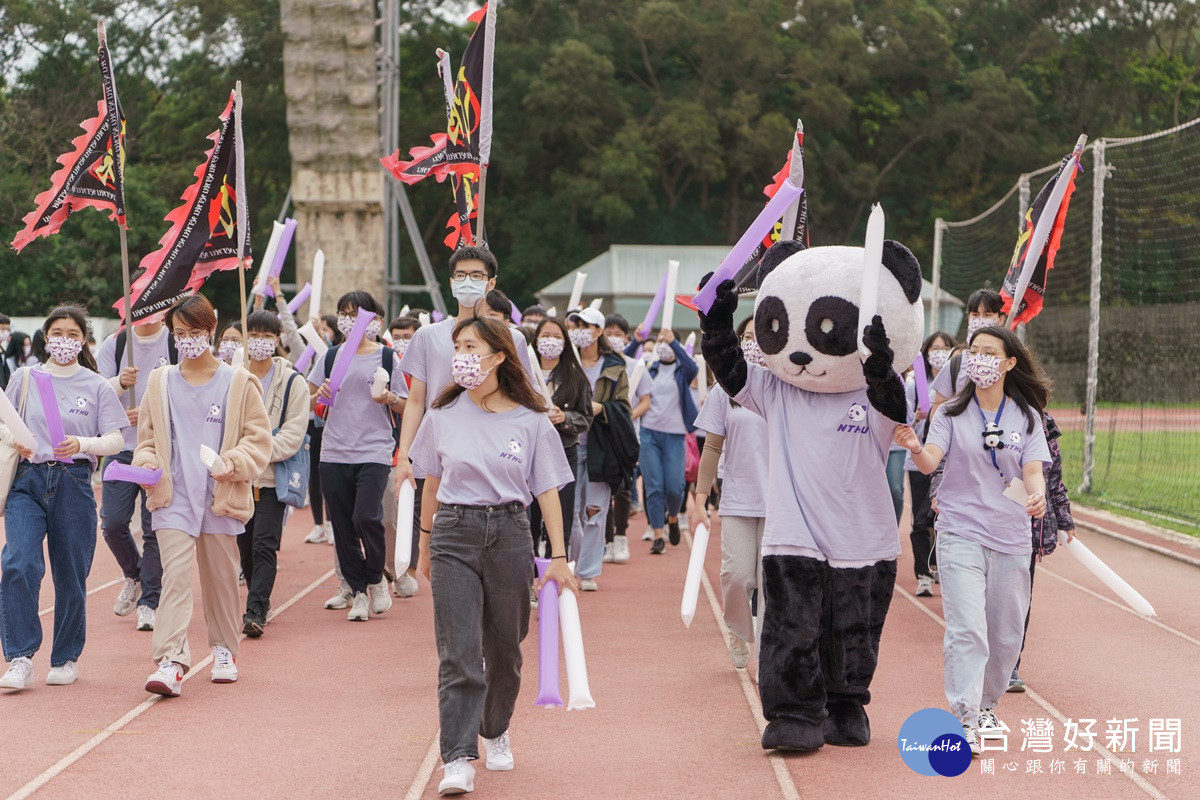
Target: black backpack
x,y
388,357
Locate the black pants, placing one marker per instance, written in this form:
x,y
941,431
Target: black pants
x,y
820,634
1032,567
566,499
922,523
356,511
617,522
258,546
315,498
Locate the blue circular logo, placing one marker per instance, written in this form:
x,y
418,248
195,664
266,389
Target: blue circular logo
x,y
931,743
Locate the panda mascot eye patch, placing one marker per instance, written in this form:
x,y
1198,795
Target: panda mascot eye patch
x,y
830,326
771,325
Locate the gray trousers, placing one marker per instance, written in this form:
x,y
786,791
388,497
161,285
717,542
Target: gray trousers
x,y
741,572
480,569
985,596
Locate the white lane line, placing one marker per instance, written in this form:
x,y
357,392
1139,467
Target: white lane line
x,y
783,777
90,592
1122,606
91,744
425,771
1138,780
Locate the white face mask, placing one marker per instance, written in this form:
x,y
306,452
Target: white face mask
x,y
226,350
664,352
938,358
3,336
259,348
469,291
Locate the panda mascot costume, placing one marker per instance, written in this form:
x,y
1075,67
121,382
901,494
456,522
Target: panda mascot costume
x,y
830,545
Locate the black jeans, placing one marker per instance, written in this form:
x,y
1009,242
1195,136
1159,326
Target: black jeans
x,y
315,499
258,546
1032,568
618,516
922,523
356,511
566,499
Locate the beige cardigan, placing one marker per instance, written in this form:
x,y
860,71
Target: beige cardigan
x,y
246,443
290,438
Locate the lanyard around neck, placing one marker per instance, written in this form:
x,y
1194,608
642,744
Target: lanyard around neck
x,y
996,422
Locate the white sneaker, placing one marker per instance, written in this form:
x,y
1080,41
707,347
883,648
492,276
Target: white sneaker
x,y
19,675
224,665
406,586
609,552
128,597
499,753
359,610
989,724
328,532
648,535
342,599
739,651
381,599
620,550
145,618
458,777
588,585
64,675
972,738
167,680
925,586
316,535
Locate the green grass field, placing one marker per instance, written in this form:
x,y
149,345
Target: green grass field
x,y
1156,473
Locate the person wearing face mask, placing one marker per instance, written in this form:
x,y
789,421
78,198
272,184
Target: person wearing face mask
x,y
51,500
286,399
488,449
430,353
671,417
290,340
991,437
326,328
401,331
616,526
599,466
571,415
150,346
19,352
936,351
5,330
197,509
985,308
231,340
357,453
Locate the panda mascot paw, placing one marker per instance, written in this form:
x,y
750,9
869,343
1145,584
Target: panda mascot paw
x,y
847,724
885,389
718,340
792,734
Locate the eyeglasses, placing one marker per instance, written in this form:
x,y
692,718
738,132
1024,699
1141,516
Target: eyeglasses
x,y
474,276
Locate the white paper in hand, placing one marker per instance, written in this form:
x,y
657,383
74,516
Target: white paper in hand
x,y
1016,492
216,464
379,383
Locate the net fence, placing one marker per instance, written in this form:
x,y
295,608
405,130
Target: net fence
x,y
1134,221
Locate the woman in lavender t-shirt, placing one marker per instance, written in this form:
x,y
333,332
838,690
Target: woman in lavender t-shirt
x,y
991,436
487,448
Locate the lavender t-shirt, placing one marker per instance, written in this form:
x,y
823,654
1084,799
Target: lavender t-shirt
x,y
826,487
744,454
971,501
197,417
357,429
86,402
644,387
665,415
944,384
487,459
592,374
149,353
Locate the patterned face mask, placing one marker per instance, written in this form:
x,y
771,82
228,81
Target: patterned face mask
x,y
191,346
979,323
549,347
62,349
983,370
939,358
616,343
259,348
581,337
373,330
345,324
468,371
226,350
664,352
401,346
752,352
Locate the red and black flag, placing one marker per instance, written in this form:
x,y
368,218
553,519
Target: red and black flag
x,y
796,219
1054,198
459,224
204,233
426,161
469,127
92,173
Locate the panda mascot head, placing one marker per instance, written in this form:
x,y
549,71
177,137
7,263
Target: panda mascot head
x,y
806,315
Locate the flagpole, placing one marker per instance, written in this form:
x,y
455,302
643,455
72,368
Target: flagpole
x,y
479,234
242,212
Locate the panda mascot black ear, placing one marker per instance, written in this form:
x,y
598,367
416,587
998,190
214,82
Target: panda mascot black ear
x,y
899,261
776,255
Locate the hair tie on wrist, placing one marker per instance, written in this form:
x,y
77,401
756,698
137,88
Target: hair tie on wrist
x,y
424,530
554,557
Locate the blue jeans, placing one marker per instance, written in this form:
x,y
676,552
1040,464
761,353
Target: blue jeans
x,y
661,462
895,479
50,502
116,510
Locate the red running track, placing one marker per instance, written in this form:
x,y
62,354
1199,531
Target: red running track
x,y
326,708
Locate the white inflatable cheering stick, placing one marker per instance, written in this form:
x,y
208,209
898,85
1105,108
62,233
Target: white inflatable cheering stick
x,y
572,639
691,584
868,301
405,501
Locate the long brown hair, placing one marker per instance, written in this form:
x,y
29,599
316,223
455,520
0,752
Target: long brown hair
x,y
514,383
1026,383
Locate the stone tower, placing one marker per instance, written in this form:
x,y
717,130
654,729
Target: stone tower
x,y
329,76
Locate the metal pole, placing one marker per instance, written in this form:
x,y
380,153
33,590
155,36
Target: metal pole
x,y
939,227
1099,173
1022,210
